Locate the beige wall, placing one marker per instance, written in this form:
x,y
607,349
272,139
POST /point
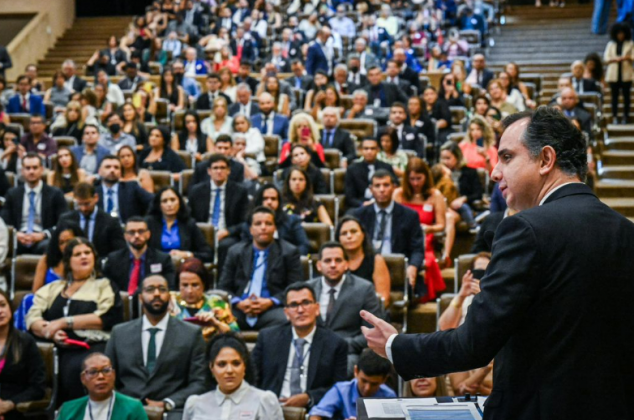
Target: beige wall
x,y
31,44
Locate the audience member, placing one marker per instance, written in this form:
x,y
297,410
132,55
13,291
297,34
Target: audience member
x,y
130,171
5,60
66,173
577,68
12,151
425,387
37,141
170,90
299,199
438,110
389,150
618,57
334,137
408,136
73,82
304,158
206,101
488,227
132,78
191,138
219,122
320,55
421,121
479,75
224,146
268,121
158,156
358,175
24,101
513,95
382,94
478,146
115,138
255,141
571,109
90,154
244,105
133,125
499,98
58,94
71,123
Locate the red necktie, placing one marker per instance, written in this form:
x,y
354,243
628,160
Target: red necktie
x,y
134,277
24,104
239,52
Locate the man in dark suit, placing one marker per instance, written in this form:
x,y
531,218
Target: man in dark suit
x,y
579,83
319,56
132,78
34,208
341,296
73,82
244,75
223,146
321,359
243,48
356,74
257,272
158,359
291,47
269,122
480,75
359,173
300,80
24,101
206,100
538,313
243,104
129,265
282,64
394,77
103,230
5,60
90,154
334,137
382,94
120,199
222,203
406,72
408,137
571,109
488,228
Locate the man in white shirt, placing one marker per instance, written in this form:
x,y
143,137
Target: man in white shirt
x,y
342,24
243,104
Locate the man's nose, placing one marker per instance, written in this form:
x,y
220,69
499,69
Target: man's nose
x,y
496,175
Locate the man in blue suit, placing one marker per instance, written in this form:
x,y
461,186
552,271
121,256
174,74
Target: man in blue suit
x,y
90,154
24,101
268,121
319,55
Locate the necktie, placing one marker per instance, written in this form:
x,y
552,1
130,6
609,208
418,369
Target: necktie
x,y
215,218
265,124
151,350
110,201
31,220
296,368
134,277
298,83
331,138
256,283
331,303
24,104
480,78
382,224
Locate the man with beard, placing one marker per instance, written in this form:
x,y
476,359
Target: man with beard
x,y
127,267
158,359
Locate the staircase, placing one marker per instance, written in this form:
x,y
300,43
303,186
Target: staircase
x,y
81,41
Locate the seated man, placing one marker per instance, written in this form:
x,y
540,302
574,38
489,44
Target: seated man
x,y
370,375
392,227
114,139
358,174
282,355
268,121
361,110
158,358
408,137
257,272
244,105
223,146
37,141
380,93
206,100
334,137
24,101
98,378
90,154
571,109
103,230
34,208
341,296
129,265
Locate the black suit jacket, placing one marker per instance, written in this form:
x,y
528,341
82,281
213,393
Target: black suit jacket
x,y
5,60
589,85
327,364
490,224
283,268
392,94
79,84
117,267
342,141
203,103
192,238
133,200
107,234
24,380
585,120
357,181
411,140
561,340
201,175
412,77
252,82
236,205
406,235
53,206
306,82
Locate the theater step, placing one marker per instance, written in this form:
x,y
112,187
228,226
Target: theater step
x,y
619,131
618,157
617,172
621,143
615,188
625,206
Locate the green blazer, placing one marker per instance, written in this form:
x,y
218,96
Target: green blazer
x,y
125,408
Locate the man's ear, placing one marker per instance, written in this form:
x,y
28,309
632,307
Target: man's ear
x,y
548,159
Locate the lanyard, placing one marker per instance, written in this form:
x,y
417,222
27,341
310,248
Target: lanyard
x,y
109,408
302,358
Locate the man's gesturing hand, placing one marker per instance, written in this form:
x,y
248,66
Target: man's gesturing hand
x,y
377,337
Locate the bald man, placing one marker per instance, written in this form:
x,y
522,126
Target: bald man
x,y
269,122
571,109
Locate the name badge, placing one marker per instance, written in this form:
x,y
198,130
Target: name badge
x,y
428,208
410,136
41,146
246,415
369,112
156,268
293,51
419,123
377,103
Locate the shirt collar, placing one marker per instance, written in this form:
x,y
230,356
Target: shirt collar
x,y
555,189
326,286
93,215
217,187
114,188
37,190
236,396
309,337
162,325
388,209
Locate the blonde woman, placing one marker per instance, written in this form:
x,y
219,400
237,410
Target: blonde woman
x,y
71,123
219,122
478,146
227,83
303,130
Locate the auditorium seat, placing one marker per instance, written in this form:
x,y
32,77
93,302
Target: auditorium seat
x,y
187,158
318,234
183,182
462,264
154,413
294,413
442,303
422,318
178,121
65,141
458,118
209,232
307,267
399,290
23,119
22,275
127,308
161,179
331,203
333,158
46,406
360,128
162,111
327,174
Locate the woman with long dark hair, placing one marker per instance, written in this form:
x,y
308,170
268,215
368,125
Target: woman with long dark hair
x,y
66,172
191,138
303,157
169,90
299,199
130,171
158,156
133,125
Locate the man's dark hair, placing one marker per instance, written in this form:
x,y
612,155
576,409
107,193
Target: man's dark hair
x,y
296,61
245,63
131,65
40,116
89,125
217,157
372,364
136,219
381,173
331,245
224,138
296,287
84,191
213,76
90,356
373,68
549,127
114,114
322,72
22,77
110,157
32,155
399,105
154,275
373,139
261,209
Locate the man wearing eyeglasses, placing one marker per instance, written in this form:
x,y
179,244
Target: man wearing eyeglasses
x,y
128,266
37,141
102,402
301,361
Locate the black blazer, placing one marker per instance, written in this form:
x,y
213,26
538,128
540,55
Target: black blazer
x,y
412,77
201,175
170,161
327,364
192,238
557,332
25,380
5,60
392,94
252,82
236,205
117,267
4,182
316,179
53,205
79,84
412,140
202,142
407,235
469,184
306,82
133,200
357,181
342,141
289,229
490,224
283,268
426,127
107,235
203,103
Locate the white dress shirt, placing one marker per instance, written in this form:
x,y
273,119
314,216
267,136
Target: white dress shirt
x,y
115,199
222,224
26,205
286,386
158,338
386,247
324,298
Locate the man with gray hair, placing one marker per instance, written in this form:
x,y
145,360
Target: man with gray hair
x,y
356,72
342,24
334,137
367,59
579,83
73,83
360,108
243,104
282,64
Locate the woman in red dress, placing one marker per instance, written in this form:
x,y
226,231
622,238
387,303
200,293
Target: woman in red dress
x,y
418,193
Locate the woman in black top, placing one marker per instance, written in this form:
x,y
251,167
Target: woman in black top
x,y
299,200
73,125
132,124
438,109
191,137
9,158
158,156
22,371
169,90
302,157
448,91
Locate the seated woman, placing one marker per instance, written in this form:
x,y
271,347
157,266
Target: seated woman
x,y
173,231
425,388
255,141
130,170
418,193
478,146
299,200
448,91
219,122
22,370
362,260
478,380
224,59
438,109
303,130
66,172
191,138
11,151
170,90
289,227
71,123
419,119
232,371
158,156
389,150
513,95
133,125
191,301
58,94
302,157
480,106
79,307
227,81
97,99
320,81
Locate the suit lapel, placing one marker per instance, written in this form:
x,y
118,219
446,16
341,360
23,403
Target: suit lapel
x,y
396,215
281,362
315,351
44,206
247,263
136,344
169,337
346,289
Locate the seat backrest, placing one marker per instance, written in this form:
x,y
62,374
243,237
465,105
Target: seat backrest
x,y
178,121
397,265
442,303
161,179
209,232
331,203
326,173
12,178
125,299
185,179
339,182
12,242
271,146
456,137
65,141
462,264
24,271
294,413
186,157
333,158
533,78
346,101
531,89
153,413
318,234
203,113
307,267
49,356
361,128
162,106
23,119
458,114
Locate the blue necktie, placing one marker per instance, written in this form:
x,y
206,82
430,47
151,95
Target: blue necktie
x,y
296,368
265,123
256,283
109,202
332,138
215,218
298,83
31,221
